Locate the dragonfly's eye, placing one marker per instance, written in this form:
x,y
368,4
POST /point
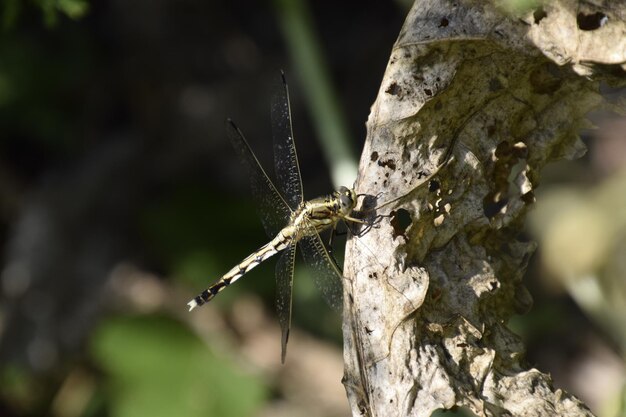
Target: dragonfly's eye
x,y
343,190
345,200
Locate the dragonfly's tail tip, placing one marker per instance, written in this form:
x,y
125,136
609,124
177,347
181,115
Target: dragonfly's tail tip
x,y
192,304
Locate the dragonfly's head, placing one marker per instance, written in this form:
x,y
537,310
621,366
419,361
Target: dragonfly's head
x,y
347,200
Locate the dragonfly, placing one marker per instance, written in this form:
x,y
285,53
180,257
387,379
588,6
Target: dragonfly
x,y
288,219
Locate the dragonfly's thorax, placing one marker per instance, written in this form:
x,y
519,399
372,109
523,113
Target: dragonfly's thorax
x,y
323,212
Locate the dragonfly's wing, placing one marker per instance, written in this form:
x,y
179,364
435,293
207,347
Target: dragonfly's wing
x,y
284,286
285,156
328,276
273,209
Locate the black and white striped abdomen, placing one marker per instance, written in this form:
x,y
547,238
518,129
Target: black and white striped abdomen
x,y
282,240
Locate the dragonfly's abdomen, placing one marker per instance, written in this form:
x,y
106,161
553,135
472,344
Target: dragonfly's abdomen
x,y
280,242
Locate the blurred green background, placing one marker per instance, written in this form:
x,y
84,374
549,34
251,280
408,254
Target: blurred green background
x,y
120,198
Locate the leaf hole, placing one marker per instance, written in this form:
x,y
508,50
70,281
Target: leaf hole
x,y
591,21
400,221
492,205
539,14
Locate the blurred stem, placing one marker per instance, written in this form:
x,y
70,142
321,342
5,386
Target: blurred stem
x,y
308,59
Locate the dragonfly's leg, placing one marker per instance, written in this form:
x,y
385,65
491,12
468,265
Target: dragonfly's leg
x,y
354,220
378,218
360,232
351,222
369,200
354,228
334,232
332,236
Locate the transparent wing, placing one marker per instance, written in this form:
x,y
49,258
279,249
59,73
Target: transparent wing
x,y
273,209
285,156
328,276
284,287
